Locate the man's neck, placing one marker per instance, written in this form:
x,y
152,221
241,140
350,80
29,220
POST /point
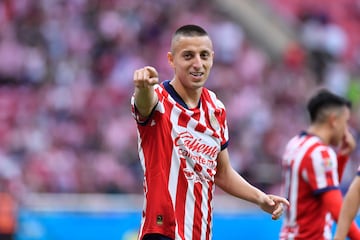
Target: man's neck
x,y
321,132
191,97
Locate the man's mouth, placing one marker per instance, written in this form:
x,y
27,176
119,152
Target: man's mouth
x,y
197,74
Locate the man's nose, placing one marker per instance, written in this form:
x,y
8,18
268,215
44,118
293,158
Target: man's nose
x,y
197,61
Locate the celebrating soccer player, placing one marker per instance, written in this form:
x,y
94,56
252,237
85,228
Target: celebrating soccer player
x,y
182,143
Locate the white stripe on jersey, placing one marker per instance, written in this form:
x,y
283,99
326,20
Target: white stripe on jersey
x,y
189,213
175,164
328,226
141,156
321,180
173,177
160,107
174,169
204,209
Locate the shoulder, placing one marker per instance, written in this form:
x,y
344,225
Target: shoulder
x,y
323,157
323,151
159,87
211,97
303,143
160,90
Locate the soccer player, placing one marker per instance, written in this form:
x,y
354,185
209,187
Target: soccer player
x,y
313,170
182,143
349,208
8,211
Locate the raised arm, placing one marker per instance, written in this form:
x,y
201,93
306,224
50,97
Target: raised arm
x,y
145,97
347,146
234,184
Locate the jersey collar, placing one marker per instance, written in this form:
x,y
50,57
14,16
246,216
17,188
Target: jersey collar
x,y
171,90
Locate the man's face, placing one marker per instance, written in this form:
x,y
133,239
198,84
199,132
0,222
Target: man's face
x,y
192,59
340,124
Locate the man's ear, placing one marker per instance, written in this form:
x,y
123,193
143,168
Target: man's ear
x,y
170,58
332,119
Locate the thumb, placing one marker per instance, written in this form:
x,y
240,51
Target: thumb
x,y
269,201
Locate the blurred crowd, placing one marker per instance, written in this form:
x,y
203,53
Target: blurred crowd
x,y
66,70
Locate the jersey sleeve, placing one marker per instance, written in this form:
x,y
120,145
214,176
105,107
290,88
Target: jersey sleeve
x,y
321,170
139,119
224,131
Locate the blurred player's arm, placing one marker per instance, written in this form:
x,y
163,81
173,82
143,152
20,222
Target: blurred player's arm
x,y
144,95
332,201
349,210
231,182
347,146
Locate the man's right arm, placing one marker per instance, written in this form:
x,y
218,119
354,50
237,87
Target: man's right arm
x,y
144,95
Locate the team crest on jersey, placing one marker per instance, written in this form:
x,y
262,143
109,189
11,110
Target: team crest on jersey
x,y
214,122
159,220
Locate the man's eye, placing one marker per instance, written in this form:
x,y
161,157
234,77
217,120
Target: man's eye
x,y
205,55
187,56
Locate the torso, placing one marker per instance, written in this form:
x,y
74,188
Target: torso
x,y
311,168
178,148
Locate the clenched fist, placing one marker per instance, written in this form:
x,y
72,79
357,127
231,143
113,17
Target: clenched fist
x,y
145,77
145,98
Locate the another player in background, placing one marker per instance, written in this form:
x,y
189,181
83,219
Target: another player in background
x,y
313,170
182,143
349,208
8,210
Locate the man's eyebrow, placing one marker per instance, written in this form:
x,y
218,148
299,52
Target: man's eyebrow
x,y
205,51
187,51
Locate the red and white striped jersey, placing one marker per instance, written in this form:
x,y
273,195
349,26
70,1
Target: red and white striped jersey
x,y
310,168
178,149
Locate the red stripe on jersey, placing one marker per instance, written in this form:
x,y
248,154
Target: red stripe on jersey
x,y
183,119
181,199
207,97
312,174
209,219
196,114
325,154
197,211
200,128
167,142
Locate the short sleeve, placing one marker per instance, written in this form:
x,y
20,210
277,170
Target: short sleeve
x,y
321,170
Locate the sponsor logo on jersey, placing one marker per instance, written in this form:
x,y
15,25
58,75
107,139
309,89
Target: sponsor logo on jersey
x,y
327,163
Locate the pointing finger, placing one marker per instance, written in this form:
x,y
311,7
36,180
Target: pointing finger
x,y
152,72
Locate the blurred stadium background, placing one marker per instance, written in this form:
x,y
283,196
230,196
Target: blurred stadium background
x,y
68,148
